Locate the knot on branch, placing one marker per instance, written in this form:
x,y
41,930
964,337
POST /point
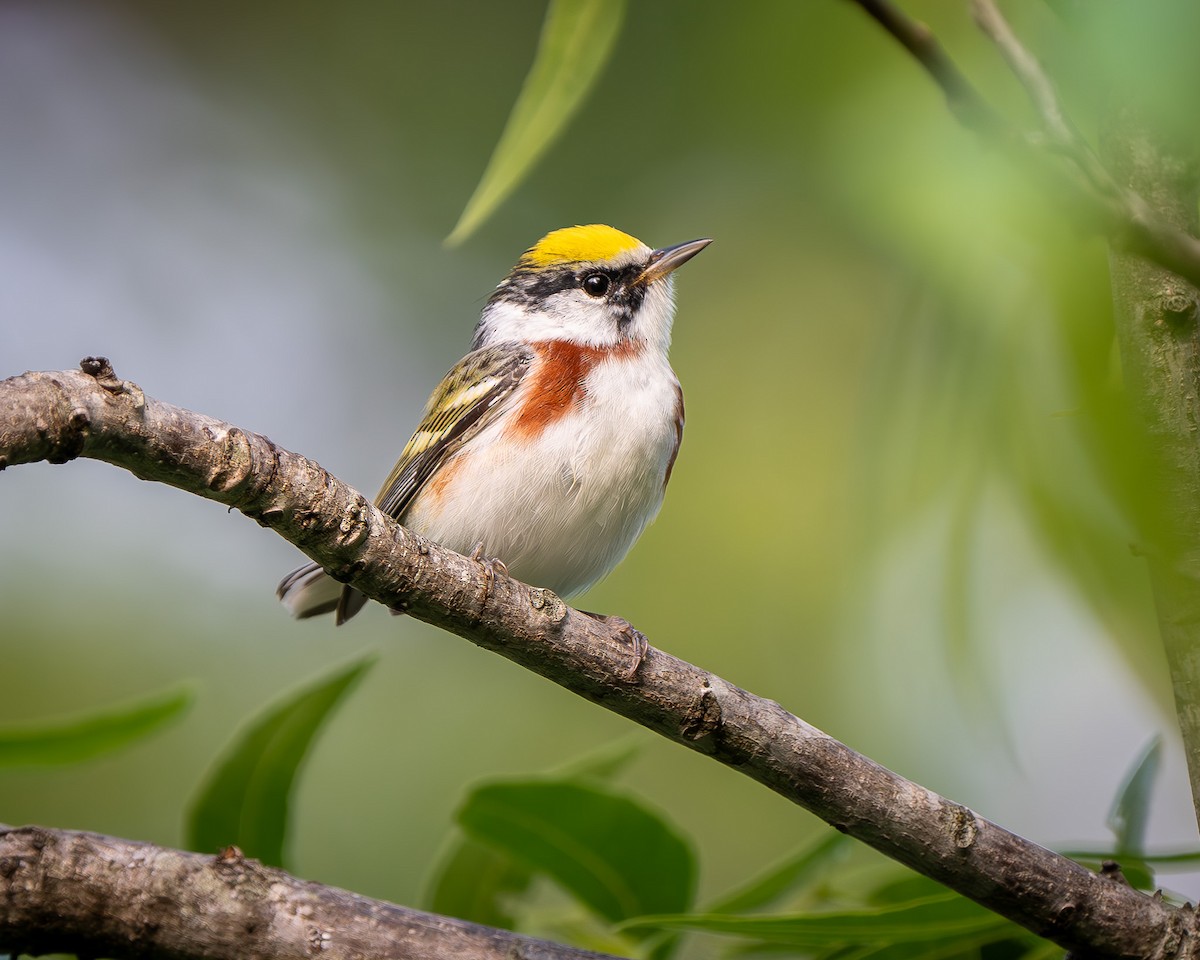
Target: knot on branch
x,y
549,603
235,869
961,825
353,526
101,370
703,716
72,435
1178,310
1111,870
235,465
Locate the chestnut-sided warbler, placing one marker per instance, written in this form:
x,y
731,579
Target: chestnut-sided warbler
x,y
548,447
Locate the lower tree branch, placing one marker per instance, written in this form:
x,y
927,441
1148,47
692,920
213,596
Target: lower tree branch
x,y
60,415
62,891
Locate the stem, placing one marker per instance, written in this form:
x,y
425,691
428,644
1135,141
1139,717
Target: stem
x,y
1155,313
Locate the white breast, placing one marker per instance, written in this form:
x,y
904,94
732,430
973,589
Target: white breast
x,y
561,510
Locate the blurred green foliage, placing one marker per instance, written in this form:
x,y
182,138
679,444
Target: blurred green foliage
x,y
81,738
625,867
245,798
907,498
577,40
609,851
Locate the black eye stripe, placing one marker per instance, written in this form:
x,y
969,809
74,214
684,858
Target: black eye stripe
x,y
535,289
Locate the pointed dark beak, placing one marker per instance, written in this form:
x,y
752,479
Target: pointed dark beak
x,y
667,259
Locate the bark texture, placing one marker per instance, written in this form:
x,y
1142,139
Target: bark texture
x,y
1156,315
62,891
56,416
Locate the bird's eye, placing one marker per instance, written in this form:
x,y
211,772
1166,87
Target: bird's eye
x,y
596,284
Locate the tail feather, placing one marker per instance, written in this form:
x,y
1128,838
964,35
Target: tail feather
x,y
349,603
309,592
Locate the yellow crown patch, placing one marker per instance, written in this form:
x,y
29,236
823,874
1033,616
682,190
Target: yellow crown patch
x,y
592,242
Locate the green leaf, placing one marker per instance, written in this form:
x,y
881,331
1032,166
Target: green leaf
x,y
610,852
905,887
1089,543
245,798
602,764
478,883
577,39
1131,808
1138,873
993,946
926,919
1135,868
1180,860
1005,940
83,737
1043,950
785,877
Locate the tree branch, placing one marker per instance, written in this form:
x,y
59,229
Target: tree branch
x,y
64,891
963,99
1156,314
1058,154
61,415
1026,69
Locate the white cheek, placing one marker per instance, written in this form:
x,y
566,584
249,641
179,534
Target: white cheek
x,y
569,315
653,321
573,315
583,319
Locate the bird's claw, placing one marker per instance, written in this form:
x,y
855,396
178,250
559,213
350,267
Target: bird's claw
x,y
490,567
638,644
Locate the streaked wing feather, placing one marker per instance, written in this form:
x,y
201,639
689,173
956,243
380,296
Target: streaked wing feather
x,y
468,398
679,418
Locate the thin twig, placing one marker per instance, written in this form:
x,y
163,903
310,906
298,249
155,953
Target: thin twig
x,y
1073,172
1026,69
1059,129
963,99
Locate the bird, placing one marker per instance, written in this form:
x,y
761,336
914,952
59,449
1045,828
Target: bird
x,y
547,449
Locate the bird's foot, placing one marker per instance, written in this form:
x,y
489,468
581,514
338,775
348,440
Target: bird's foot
x,y
638,644
491,565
